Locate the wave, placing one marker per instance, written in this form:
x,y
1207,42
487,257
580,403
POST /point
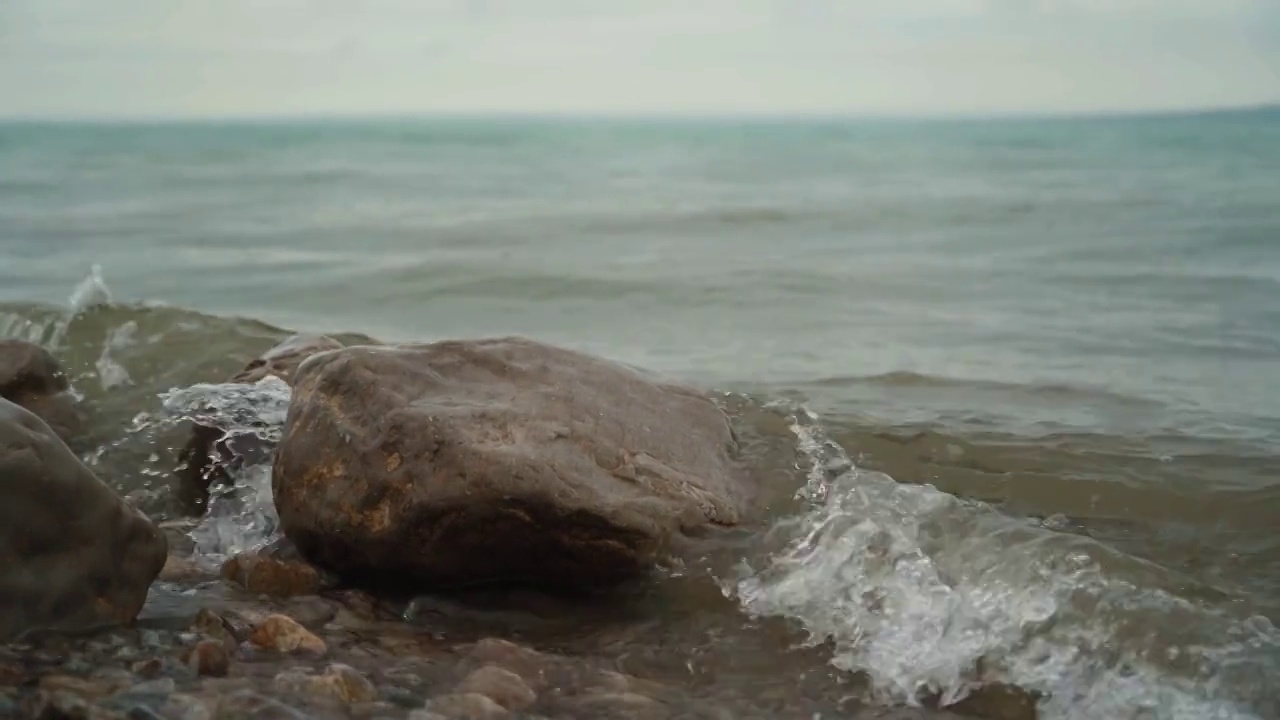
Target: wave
x,y
127,362
925,593
907,379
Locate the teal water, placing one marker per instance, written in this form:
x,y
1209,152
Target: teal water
x,y
1071,322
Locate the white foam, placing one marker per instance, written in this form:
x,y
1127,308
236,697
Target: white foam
x,y
91,291
111,373
242,515
928,593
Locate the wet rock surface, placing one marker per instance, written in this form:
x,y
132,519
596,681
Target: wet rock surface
x,y
264,574
505,460
31,377
73,554
211,452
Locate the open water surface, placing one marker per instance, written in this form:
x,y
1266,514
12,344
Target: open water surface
x,y
1015,384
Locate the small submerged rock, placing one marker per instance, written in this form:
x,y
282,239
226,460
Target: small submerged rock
x,y
182,569
208,658
180,706
215,627
264,575
48,705
632,706
249,704
73,554
283,634
467,706
502,686
76,686
337,682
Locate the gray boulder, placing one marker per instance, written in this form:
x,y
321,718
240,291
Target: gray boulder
x,y
497,461
73,554
32,378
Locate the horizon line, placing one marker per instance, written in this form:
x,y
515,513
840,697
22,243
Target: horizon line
x,y
585,116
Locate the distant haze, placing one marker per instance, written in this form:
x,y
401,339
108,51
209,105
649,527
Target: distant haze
x,y
210,58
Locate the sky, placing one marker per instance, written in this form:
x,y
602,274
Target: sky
x,y
218,58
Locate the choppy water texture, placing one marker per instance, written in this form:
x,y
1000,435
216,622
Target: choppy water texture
x,y
1022,378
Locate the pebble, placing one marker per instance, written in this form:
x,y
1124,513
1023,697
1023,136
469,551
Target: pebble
x,y
114,678
185,707
126,653
77,666
371,710
225,686
282,633
177,569
401,697
148,668
161,686
75,686
339,682
310,610
630,705
263,575
468,706
208,658
247,704
215,627
55,704
528,664
142,712
153,639
502,686
614,681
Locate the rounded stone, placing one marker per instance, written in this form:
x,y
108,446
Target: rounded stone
x,y
283,634
502,686
497,461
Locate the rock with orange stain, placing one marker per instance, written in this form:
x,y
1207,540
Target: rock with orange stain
x,y
501,460
73,554
208,453
283,634
263,574
32,378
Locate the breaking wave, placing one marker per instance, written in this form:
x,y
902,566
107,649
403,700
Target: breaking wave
x,y
930,595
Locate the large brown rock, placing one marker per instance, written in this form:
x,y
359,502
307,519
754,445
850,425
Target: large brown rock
x,y
501,460
73,555
32,378
211,452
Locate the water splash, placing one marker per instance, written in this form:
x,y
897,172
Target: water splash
x,y
111,373
929,594
240,516
91,291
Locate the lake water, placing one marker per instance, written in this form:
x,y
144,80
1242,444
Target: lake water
x,y
1026,373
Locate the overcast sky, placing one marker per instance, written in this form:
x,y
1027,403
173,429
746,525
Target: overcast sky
x,y
97,58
